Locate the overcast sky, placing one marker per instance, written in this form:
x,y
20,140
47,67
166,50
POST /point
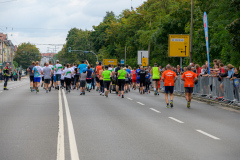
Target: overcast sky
x,y
48,21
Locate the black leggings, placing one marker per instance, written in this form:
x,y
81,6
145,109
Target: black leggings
x,y
101,86
107,84
68,82
121,83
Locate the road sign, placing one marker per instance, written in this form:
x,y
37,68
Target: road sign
x,y
144,62
178,45
122,61
142,54
109,61
69,49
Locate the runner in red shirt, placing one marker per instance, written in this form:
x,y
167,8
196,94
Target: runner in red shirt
x,y
190,78
169,77
134,78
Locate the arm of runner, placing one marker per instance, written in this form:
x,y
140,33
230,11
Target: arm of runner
x,y
183,77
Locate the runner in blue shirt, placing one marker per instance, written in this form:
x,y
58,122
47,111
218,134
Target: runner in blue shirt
x,y
83,66
138,76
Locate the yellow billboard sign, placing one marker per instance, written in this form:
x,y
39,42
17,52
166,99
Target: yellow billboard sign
x,y
109,61
144,62
178,45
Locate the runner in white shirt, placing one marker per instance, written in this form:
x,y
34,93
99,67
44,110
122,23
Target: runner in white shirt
x,y
68,75
58,70
52,67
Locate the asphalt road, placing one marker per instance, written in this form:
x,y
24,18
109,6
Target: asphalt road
x,y
139,127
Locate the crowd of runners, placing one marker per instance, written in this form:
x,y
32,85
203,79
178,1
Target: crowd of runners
x,y
104,79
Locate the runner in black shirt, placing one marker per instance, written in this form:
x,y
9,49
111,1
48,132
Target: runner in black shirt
x,y
31,75
142,75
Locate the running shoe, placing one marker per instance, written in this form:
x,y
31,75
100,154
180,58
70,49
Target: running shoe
x,y
81,93
31,90
155,93
49,89
122,96
188,104
42,85
106,94
143,92
46,91
119,95
171,104
37,89
167,106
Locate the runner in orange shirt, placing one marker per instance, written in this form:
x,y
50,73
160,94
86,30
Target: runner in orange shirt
x,y
190,78
98,68
169,77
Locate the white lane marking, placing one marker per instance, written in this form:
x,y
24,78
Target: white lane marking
x,y
1,91
130,99
155,110
60,144
14,87
209,135
176,120
71,134
10,88
141,103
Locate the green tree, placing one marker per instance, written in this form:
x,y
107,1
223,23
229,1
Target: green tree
x,y
26,53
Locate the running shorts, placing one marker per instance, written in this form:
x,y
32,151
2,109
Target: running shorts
x,y
54,78
31,78
142,83
82,83
169,89
106,84
37,79
134,80
138,81
97,79
47,81
155,80
89,80
188,89
58,77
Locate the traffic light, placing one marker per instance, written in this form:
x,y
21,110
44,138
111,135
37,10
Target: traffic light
x,y
69,49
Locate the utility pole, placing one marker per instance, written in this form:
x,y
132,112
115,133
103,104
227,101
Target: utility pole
x,y
191,34
149,46
125,54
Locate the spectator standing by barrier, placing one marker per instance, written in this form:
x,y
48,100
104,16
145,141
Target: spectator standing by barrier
x,y
235,79
1,75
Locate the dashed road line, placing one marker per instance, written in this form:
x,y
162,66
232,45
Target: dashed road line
x,y
130,99
10,88
176,120
141,103
155,110
207,134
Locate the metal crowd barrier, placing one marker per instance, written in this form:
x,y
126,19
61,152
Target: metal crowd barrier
x,y
211,87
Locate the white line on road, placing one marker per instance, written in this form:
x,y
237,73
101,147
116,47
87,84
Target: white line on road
x,y
209,135
71,134
155,110
141,103
10,88
176,120
1,91
14,87
130,99
60,144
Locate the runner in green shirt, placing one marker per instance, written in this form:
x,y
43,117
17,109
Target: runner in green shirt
x,y
121,80
106,80
155,78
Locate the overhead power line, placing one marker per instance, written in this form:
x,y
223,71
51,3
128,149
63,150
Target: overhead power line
x,y
7,1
